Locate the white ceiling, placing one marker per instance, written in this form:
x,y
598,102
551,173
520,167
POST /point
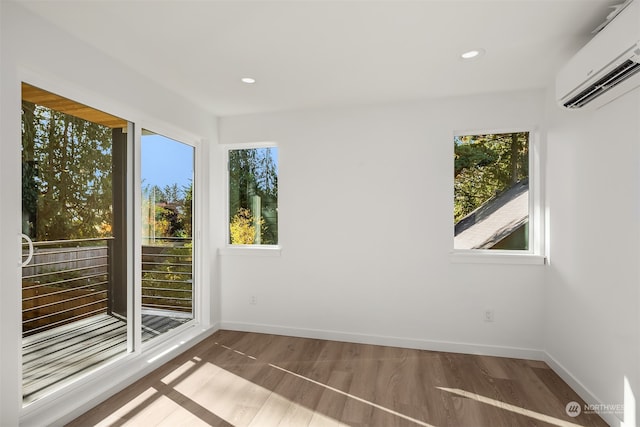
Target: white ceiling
x,y
307,54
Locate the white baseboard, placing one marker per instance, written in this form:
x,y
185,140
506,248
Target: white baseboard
x,y
582,391
444,346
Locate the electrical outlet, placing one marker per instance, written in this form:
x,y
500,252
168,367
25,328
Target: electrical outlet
x,y
253,300
488,315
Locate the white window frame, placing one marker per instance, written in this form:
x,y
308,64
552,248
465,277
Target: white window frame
x,y
254,250
535,254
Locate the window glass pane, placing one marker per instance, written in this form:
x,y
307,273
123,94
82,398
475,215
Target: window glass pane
x,y
491,191
167,234
74,288
253,196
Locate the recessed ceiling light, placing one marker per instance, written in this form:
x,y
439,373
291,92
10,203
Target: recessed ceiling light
x,y
248,80
472,54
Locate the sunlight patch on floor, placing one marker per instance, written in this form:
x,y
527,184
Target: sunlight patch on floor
x,y
242,402
123,412
197,391
508,407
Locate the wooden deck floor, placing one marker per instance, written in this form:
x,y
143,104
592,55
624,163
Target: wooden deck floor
x,y
259,380
58,356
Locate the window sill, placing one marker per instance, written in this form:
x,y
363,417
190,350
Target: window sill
x,y
250,250
491,257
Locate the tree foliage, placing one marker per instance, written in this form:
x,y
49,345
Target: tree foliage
x,y
167,212
67,178
66,167
485,166
242,227
253,179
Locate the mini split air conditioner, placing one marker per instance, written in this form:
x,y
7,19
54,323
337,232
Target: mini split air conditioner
x,y
606,67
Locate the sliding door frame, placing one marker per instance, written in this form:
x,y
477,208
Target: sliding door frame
x,y
140,358
198,192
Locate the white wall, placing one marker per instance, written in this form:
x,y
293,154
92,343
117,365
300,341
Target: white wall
x,y
592,294
36,51
365,204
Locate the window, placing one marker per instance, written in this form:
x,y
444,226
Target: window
x,y
492,200
253,196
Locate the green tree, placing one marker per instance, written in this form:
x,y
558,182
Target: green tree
x,y
66,175
167,212
253,174
172,193
485,166
187,210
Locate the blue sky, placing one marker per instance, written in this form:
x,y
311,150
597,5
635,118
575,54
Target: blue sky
x,y
166,161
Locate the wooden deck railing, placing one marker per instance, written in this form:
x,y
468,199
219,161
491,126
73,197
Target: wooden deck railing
x,y
69,280
167,274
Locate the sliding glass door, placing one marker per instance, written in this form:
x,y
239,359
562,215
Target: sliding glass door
x,y
74,222
81,270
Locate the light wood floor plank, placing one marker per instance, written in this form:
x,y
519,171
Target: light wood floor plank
x,y
331,404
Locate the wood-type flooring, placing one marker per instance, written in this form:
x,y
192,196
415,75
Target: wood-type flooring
x,y
260,380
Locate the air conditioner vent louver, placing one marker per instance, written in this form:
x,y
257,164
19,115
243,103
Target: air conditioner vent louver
x,y
618,75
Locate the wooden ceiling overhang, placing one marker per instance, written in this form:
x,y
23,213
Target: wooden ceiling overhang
x,y
58,103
